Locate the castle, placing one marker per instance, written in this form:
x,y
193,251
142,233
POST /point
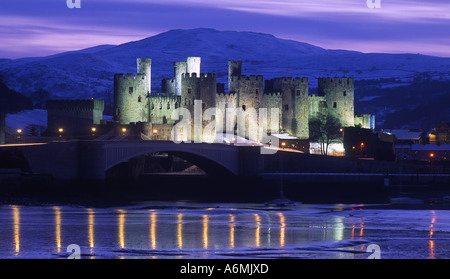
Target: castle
x,y
197,92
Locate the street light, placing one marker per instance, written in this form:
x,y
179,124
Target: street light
x,y
19,132
94,129
155,131
283,144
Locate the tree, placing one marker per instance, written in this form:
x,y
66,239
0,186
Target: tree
x,y
10,102
324,129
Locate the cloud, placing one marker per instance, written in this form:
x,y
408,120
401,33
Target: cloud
x,y
36,28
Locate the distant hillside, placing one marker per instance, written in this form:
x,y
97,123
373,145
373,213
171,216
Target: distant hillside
x,y
89,73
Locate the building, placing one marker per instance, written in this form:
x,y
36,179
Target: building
x,y
423,153
74,118
403,136
240,110
440,134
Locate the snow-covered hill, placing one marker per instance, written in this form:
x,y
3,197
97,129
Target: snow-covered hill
x,y
89,73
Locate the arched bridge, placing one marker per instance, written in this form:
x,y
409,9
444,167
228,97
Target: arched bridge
x,y
91,159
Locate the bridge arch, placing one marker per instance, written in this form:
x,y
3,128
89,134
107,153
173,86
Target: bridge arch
x,y
213,159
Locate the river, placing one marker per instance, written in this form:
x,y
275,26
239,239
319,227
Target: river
x,y
186,230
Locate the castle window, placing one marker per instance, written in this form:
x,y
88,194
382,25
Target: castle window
x,y
130,90
297,92
334,105
153,106
286,107
139,99
160,105
189,90
203,105
345,93
168,105
118,111
257,91
244,107
176,105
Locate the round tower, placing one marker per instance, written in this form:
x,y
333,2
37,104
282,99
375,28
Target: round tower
x,y
339,96
144,66
234,70
193,65
179,68
130,98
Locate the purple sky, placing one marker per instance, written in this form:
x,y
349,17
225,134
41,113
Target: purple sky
x,y
44,27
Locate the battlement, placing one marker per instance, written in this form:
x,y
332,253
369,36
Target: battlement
x,y
272,93
202,76
130,76
336,80
290,79
249,78
164,98
168,80
225,95
78,105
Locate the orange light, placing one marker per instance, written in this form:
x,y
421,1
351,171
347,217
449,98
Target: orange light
x,y
353,147
60,130
432,155
93,129
283,143
19,131
155,131
362,143
124,130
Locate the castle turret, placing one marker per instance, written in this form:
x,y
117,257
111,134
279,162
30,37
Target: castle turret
x,y
144,66
193,65
339,96
179,68
234,70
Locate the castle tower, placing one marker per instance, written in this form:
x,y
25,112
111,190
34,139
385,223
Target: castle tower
x,y
179,68
339,96
130,98
201,90
234,70
193,65
294,104
144,66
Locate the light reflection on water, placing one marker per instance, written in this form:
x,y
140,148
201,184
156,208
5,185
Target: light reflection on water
x,y
45,232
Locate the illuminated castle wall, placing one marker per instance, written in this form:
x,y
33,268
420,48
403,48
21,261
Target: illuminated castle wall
x,y
134,101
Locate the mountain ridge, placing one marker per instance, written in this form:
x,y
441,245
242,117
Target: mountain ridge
x,y
89,72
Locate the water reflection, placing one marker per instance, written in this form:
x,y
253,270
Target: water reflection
x,y
91,222
180,231
232,226
282,228
16,222
187,230
153,230
205,231
258,230
121,222
57,211
431,241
